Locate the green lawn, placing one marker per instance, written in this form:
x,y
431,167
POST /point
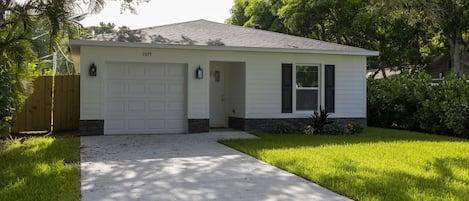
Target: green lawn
x,y
40,168
381,164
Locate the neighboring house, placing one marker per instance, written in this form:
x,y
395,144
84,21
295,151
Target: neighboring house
x,y
389,73
441,66
192,76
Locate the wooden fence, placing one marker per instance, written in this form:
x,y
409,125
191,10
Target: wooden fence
x,y
37,114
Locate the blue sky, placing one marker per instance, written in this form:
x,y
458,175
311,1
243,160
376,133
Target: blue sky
x,y
160,12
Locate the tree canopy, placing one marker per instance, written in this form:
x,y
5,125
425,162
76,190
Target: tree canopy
x,y
408,33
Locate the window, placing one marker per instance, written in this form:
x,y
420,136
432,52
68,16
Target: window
x,y
307,87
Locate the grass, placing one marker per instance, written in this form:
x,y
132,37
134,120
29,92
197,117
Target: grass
x,y
380,164
40,168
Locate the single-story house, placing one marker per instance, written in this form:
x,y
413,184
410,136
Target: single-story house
x,y
192,76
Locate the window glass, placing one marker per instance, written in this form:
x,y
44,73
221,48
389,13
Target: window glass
x,y
306,76
306,100
307,85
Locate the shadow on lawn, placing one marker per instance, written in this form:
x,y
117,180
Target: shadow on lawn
x,y
35,170
399,185
448,175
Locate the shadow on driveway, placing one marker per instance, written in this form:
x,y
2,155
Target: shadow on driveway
x,y
184,167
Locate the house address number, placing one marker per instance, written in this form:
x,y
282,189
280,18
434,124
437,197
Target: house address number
x,y
146,54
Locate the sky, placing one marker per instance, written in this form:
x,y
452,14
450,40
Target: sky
x,y
161,12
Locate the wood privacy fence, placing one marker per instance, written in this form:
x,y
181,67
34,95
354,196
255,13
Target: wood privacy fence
x,y
37,114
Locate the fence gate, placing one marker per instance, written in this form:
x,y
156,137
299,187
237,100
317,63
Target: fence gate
x,y
37,114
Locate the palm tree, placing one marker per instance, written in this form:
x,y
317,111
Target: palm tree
x,y
19,20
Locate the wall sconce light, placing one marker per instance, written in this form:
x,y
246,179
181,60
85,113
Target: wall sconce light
x,y
199,73
93,70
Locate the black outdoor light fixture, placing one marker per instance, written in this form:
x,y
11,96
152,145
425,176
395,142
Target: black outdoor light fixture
x,y
92,69
199,73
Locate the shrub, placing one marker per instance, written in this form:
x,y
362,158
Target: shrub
x,y
283,127
392,102
320,119
307,130
5,129
353,128
334,129
412,103
338,129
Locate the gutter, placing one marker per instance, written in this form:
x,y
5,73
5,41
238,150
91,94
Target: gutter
x,y
219,48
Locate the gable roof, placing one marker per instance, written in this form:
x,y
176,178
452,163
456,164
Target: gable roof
x,y
214,35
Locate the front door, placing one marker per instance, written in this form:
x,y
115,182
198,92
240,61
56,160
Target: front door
x,y
217,96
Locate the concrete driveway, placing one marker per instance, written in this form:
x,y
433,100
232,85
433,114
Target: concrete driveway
x,y
188,167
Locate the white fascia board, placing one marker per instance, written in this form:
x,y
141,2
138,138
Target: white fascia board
x,y
219,48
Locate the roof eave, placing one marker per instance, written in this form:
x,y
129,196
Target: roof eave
x,y
219,48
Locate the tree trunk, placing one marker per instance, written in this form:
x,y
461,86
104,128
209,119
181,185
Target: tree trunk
x,y
456,53
383,70
375,73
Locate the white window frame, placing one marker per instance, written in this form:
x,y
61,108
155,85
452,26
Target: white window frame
x,y
318,88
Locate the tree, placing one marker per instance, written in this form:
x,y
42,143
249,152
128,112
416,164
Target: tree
x,y
399,30
327,20
261,14
17,20
452,17
20,21
103,28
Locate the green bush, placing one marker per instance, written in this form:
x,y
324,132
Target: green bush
x,y
412,103
353,128
283,128
334,129
5,129
348,129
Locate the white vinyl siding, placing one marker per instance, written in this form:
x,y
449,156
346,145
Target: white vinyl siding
x,y
350,90
262,87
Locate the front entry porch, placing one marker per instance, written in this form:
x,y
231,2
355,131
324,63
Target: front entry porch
x,y
227,92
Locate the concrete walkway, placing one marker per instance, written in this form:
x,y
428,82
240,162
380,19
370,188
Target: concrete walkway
x,y
188,167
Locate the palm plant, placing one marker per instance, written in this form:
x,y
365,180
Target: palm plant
x,y
18,21
320,119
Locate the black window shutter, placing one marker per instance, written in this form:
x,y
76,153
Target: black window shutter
x,y
287,70
330,88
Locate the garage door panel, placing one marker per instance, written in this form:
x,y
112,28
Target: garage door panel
x,y
136,71
136,88
118,71
117,88
156,123
175,106
175,91
175,70
174,81
157,106
156,88
173,124
146,98
173,116
136,106
116,124
116,107
136,124
156,72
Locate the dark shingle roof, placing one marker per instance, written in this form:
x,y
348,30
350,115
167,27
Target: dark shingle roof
x,y
207,33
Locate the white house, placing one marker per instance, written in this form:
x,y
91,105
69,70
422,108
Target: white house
x,y
193,76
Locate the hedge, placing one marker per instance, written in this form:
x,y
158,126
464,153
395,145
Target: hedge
x,y
413,103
